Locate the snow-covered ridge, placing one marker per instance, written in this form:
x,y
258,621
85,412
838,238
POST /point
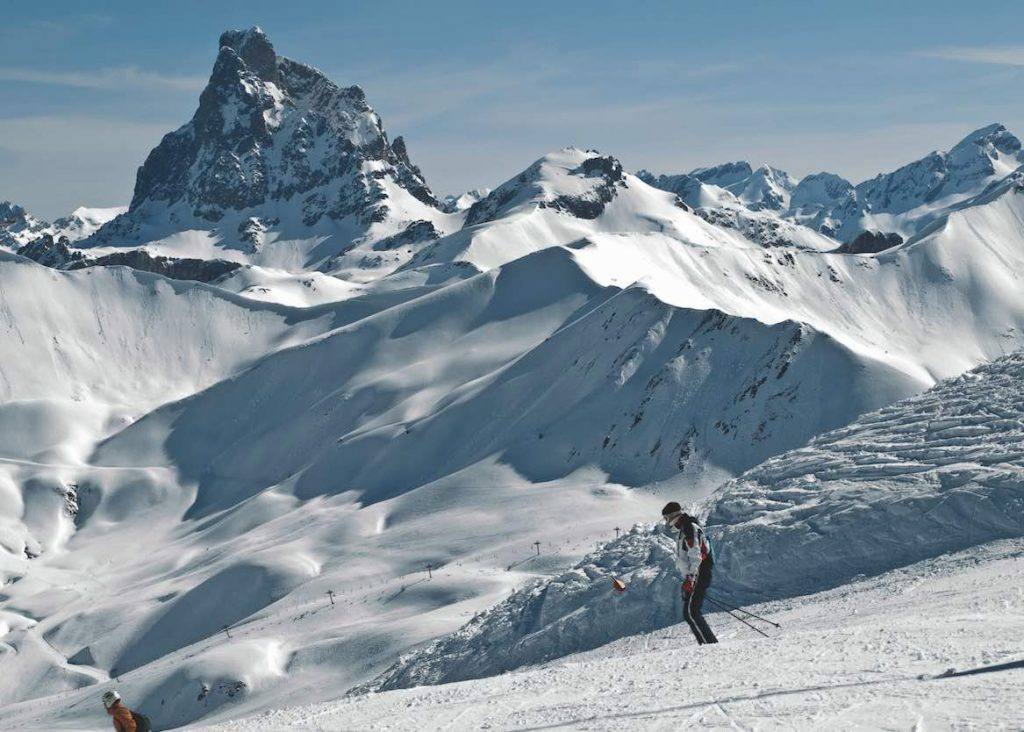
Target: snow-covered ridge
x,y
900,202
18,227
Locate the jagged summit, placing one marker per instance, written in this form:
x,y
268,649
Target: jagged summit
x,y
273,144
18,226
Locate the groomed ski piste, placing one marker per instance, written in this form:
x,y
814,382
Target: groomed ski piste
x,y
936,645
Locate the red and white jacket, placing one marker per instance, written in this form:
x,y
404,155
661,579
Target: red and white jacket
x,y
692,549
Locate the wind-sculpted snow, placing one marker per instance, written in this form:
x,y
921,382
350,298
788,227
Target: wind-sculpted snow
x,y
574,611
935,473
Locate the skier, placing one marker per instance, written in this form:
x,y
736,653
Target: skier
x,y
694,559
124,719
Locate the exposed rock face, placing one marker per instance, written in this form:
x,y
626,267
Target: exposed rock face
x,y
417,231
49,252
592,177
870,242
270,132
200,270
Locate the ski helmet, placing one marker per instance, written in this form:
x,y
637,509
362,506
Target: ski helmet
x,y
110,699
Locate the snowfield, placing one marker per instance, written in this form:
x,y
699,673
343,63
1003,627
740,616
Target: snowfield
x,y
864,655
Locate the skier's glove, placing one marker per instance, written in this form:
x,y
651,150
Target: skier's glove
x,y
688,585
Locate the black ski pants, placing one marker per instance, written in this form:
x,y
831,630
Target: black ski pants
x,y
692,602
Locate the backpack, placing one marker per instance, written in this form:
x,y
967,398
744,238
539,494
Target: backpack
x,y
142,723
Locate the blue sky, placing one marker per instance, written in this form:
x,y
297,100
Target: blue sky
x,y
480,89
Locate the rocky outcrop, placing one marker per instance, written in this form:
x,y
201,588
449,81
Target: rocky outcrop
x,y
870,242
199,270
46,250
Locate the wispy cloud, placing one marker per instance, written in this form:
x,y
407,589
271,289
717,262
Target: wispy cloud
x,y
127,77
997,55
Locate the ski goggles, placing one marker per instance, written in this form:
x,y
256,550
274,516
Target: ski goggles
x,y
669,518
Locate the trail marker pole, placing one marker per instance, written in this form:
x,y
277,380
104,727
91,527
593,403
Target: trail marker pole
x,y
330,594
429,574
617,530
227,631
537,544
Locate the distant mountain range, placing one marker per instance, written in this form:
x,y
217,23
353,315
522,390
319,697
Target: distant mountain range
x,y
282,168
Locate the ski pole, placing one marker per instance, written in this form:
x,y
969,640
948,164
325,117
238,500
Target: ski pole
x,y
739,609
752,627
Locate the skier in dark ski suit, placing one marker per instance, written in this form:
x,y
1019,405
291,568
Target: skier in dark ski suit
x,y
694,559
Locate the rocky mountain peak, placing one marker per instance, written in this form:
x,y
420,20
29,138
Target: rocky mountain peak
x,y
572,181
18,226
275,140
724,175
253,48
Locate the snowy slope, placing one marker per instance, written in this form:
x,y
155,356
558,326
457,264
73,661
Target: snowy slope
x,y
442,416
936,473
83,222
552,373
377,381
931,646
419,429
570,194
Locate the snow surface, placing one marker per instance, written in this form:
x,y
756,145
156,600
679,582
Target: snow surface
x,y
863,656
